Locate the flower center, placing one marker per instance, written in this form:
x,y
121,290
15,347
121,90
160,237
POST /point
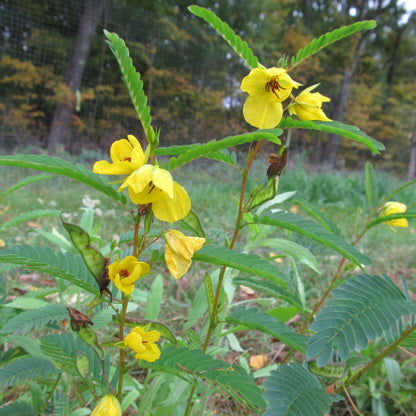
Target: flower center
x,y
124,273
273,85
128,159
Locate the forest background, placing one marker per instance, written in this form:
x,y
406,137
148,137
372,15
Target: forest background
x,y
60,88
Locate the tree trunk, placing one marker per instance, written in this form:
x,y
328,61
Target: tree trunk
x,y
61,123
411,170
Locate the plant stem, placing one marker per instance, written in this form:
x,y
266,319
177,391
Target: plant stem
x,y
223,269
41,411
384,354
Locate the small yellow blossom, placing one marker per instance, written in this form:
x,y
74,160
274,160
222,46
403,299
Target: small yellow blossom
x,y
267,88
392,207
127,156
107,406
151,184
142,343
179,250
308,105
125,272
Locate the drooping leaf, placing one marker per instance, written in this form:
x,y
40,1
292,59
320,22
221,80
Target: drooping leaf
x,y
320,216
317,233
291,249
154,299
35,318
61,167
64,266
335,127
187,364
93,259
17,409
221,155
364,308
391,217
24,369
192,223
293,390
195,152
253,319
249,263
131,78
26,181
269,288
329,38
30,215
227,33
371,186
62,350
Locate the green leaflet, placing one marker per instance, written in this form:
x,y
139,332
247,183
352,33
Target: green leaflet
x,y
252,318
64,266
61,349
30,215
221,155
269,288
35,318
26,181
249,263
317,233
131,79
61,167
391,217
329,38
364,308
192,223
210,298
93,259
371,186
186,363
195,152
293,390
18,409
320,216
227,33
24,369
335,127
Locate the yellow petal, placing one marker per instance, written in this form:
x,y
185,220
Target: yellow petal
x,y
107,406
171,210
162,179
262,110
120,149
150,354
179,250
255,80
118,168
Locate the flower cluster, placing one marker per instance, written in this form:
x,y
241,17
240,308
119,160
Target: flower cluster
x,y
147,184
267,88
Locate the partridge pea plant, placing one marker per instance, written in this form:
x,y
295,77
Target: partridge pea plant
x,y
95,340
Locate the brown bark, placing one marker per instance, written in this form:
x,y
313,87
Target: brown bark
x,y
61,123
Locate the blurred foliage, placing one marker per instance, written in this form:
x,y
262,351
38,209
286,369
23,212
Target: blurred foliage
x,y
192,80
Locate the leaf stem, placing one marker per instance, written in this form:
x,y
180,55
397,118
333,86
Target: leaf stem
x,y
41,411
250,159
384,354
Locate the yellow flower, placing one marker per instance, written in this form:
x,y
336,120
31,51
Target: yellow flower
x,y
392,207
179,250
308,105
107,406
150,184
125,272
127,156
267,88
142,343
